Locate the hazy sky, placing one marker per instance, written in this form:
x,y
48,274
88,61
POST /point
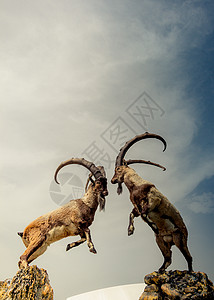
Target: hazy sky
x,y
79,78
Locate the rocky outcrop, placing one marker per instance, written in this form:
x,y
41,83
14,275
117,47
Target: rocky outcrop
x,y
30,283
177,285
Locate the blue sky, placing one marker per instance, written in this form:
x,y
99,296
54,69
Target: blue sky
x,y
70,73
198,65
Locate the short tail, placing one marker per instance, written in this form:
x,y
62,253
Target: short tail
x,y
20,234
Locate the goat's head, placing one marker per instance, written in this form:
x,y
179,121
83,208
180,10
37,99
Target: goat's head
x,y
121,165
120,171
99,185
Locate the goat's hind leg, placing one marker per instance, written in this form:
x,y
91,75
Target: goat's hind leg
x,y
181,242
33,250
166,251
77,243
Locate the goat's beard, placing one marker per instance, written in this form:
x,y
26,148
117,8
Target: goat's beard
x,y
102,202
119,188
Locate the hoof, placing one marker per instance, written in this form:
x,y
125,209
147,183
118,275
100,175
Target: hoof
x,y
93,250
130,230
190,271
22,264
161,271
68,247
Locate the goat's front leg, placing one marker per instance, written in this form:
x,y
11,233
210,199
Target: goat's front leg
x,y
77,243
150,223
144,208
134,213
89,241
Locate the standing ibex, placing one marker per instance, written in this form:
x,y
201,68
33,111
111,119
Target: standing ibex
x,y
154,208
74,218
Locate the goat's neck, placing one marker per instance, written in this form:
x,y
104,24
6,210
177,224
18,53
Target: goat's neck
x,y
132,179
90,198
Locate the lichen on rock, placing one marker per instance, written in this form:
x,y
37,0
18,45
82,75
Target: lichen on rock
x,y
30,283
175,285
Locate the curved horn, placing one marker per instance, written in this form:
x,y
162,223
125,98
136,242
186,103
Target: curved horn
x,y
125,148
102,170
83,162
148,162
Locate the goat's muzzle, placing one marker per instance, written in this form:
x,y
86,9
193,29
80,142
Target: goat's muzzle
x,y
114,180
119,188
104,193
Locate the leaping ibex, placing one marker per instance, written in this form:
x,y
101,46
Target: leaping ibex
x,y
154,208
74,218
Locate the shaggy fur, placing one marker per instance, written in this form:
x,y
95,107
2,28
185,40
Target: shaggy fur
x,y
156,210
72,219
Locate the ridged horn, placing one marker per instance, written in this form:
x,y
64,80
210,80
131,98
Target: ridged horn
x,y
148,162
96,171
120,158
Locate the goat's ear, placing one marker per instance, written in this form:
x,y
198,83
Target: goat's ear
x,y
119,188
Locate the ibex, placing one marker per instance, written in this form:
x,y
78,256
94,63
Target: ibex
x,y
74,218
153,207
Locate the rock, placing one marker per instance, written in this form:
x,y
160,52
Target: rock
x,y
150,292
175,285
30,283
170,292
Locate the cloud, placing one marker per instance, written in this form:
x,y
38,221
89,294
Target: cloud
x,y
69,69
203,203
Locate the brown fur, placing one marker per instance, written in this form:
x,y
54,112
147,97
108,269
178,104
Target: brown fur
x,y
156,210
72,219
